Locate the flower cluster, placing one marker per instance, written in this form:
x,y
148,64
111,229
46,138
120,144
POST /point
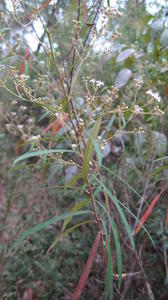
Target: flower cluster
x,y
154,95
111,11
2,67
34,138
138,83
97,83
138,109
107,13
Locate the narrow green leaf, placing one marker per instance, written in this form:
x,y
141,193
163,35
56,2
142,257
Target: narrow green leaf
x,y
73,180
89,149
98,151
38,153
6,59
44,115
76,208
4,30
44,225
122,215
72,7
108,2
129,211
26,67
49,62
117,243
122,180
161,158
64,234
109,275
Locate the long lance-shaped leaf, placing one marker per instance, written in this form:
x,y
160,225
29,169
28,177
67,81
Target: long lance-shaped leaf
x,y
64,234
89,149
128,210
117,243
122,180
109,275
97,150
76,208
87,268
44,225
148,212
73,180
122,215
39,153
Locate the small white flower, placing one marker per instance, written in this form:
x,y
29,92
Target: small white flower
x,y
99,83
24,77
14,102
34,138
23,108
138,109
92,81
19,126
153,95
138,83
8,126
30,120
13,113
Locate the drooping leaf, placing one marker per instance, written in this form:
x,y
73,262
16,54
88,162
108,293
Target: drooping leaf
x,y
76,208
87,268
109,274
122,215
64,234
89,149
147,36
43,116
97,150
39,153
72,7
100,188
44,225
73,180
117,243
4,30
